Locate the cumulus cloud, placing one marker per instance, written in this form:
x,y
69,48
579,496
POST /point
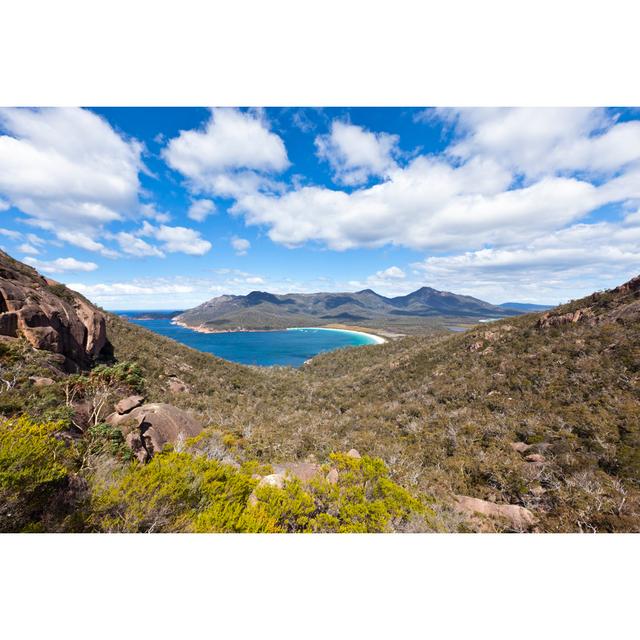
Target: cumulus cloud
x,y
84,241
172,239
429,204
240,246
543,141
356,154
60,265
200,209
391,281
231,155
554,267
148,210
181,240
67,169
134,246
508,176
392,273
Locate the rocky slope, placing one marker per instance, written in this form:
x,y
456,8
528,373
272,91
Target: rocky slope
x,y
49,316
262,310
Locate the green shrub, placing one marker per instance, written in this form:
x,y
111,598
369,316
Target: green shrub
x,y
364,500
34,465
174,492
182,492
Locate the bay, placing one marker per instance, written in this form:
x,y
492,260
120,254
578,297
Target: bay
x,y
290,347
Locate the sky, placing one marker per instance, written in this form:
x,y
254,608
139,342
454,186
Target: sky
x,y
164,208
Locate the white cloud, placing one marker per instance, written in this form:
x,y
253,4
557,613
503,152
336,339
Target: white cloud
x,y
8,233
240,246
175,292
200,209
230,155
565,264
182,240
429,204
135,246
60,265
573,162
543,141
302,121
25,247
356,154
393,273
149,210
84,241
130,289
35,240
4,205
173,239
67,169
391,281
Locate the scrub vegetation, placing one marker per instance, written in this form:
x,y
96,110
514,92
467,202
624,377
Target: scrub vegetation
x,y
537,411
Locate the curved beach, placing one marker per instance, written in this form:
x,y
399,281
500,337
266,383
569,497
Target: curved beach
x,y
374,338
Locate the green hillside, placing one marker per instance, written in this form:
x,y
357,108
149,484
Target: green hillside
x,y
538,412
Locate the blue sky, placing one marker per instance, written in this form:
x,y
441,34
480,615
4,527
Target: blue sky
x,y
167,207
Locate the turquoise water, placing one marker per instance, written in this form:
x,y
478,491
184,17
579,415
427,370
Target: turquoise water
x,y
265,348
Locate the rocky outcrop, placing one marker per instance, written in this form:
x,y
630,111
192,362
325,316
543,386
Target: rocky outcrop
x,y
518,518
49,316
619,304
127,404
556,320
149,427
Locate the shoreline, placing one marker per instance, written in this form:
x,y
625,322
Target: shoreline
x,y
377,339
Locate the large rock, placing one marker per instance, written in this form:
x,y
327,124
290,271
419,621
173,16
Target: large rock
x,y
48,315
149,427
519,518
127,404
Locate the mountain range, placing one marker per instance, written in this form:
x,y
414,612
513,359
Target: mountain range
x,y
263,310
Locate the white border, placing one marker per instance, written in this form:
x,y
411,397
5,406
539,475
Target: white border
x,y
494,52
283,52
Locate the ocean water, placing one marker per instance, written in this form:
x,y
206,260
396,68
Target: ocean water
x,y
291,347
